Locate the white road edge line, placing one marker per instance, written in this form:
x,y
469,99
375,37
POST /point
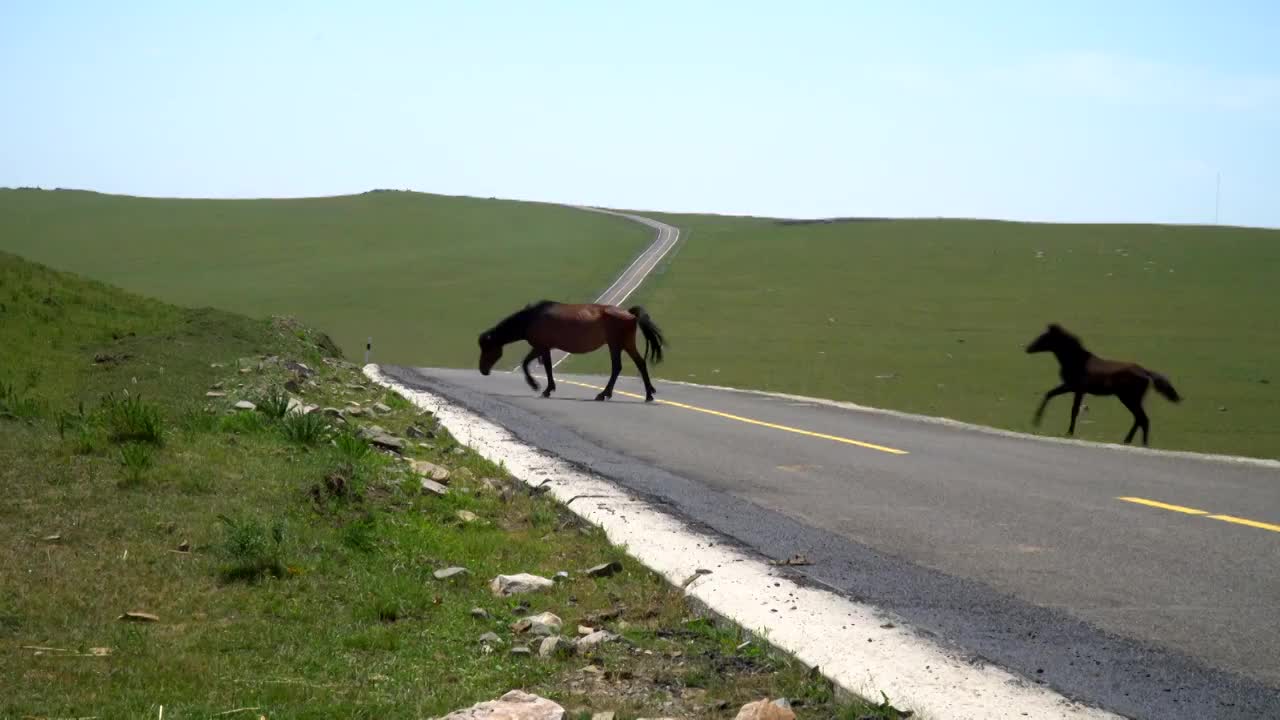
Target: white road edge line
x,y
842,638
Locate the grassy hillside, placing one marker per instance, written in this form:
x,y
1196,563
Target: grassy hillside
x,y
277,563
932,317
422,274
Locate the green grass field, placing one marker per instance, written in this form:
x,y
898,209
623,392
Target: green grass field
x,y
422,274
287,565
932,317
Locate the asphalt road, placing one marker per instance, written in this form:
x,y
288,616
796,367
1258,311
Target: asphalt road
x,y
1011,549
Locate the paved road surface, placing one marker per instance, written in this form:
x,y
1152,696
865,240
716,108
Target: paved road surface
x,y
1010,548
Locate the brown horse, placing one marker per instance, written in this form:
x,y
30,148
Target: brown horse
x,y
549,325
1083,372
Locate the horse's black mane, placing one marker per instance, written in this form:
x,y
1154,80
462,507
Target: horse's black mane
x,y
512,327
1067,343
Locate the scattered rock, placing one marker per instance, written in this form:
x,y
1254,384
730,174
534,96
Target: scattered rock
x,y
293,386
549,646
764,710
449,572
490,638
354,410
137,616
561,576
521,650
459,451
606,570
245,371
783,703
596,638
390,442
52,538
382,408
608,715
417,433
505,585
541,625
298,368
245,405
433,487
184,546
332,412
467,516
431,470
479,613
215,394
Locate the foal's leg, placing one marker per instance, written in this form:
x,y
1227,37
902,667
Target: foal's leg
x,y
615,354
1060,390
551,381
1075,410
524,365
1140,419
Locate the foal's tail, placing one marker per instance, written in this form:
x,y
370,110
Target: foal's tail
x,y
653,340
1162,385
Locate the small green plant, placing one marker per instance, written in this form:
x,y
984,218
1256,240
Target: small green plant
x,y
131,420
308,429
136,459
196,420
274,403
362,534
352,450
16,405
396,401
243,423
253,549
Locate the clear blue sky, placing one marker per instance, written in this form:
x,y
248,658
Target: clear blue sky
x,y
1082,111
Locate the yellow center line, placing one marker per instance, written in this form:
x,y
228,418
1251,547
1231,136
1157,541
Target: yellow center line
x,y
1164,506
1250,523
750,421
1205,513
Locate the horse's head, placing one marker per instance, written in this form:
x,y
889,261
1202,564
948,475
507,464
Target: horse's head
x,y
490,352
1051,338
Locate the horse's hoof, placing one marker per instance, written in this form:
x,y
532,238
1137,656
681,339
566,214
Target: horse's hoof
x,y
602,396
546,393
649,399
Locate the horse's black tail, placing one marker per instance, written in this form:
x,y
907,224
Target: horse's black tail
x,y
653,340
1163,386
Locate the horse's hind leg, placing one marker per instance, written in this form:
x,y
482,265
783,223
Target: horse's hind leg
x,y
551,381
643,367
615,355
1075,411
1140,419
524,365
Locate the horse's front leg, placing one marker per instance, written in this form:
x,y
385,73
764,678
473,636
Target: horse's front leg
x,y
615,354
524,365
551,381
1060,390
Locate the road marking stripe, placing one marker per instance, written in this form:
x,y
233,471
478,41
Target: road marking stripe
x,y
1205,513
1164,506
750,421
1250,523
